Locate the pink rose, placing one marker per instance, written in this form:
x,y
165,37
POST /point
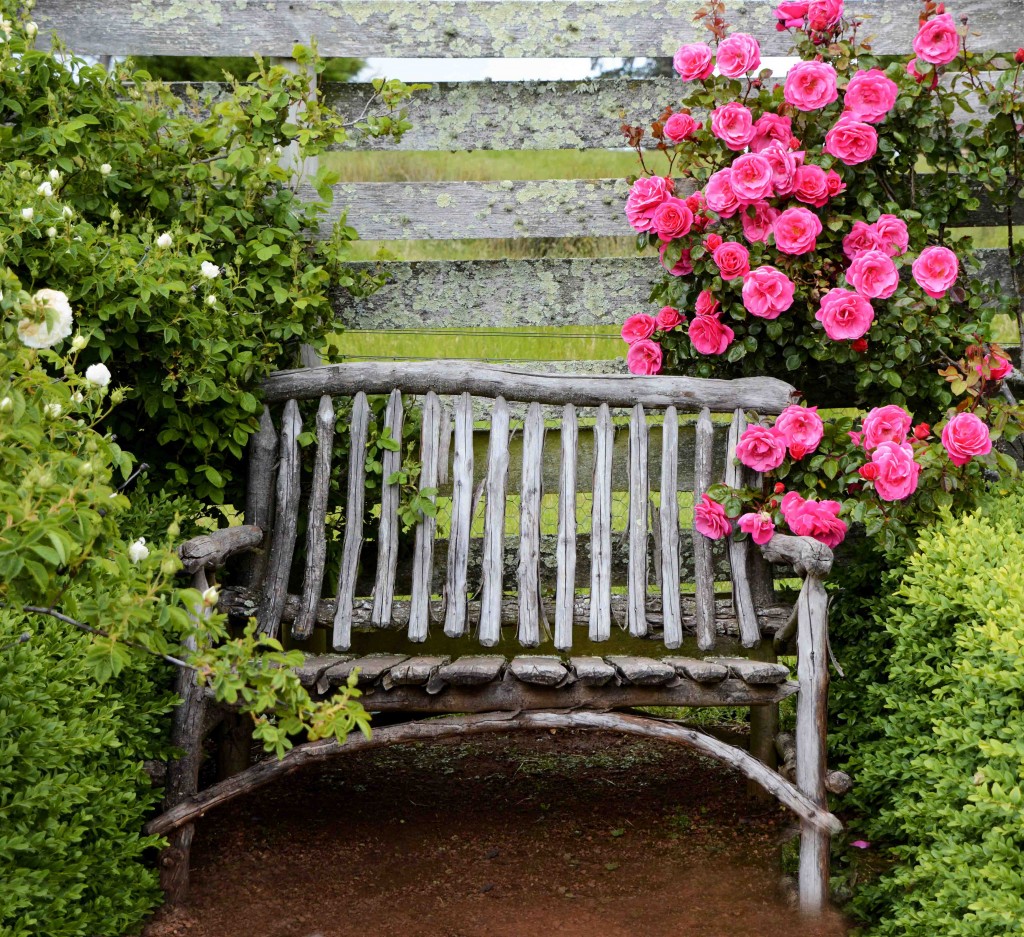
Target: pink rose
x,y
761,448
758,220
802,429
817,519
683,267
892,234
810,185
713,241
672,219
637,327
751,178
680,126
719,194
897,471
694,62
937,41
791,15
796,231
885,424
810,86
936,270
710,520
709,336
706,304
873,275
784,165
862,237
645,195
964,437
667,319
834,183
844,315
998,367
851,141
733,260
733,124
769,128
761,527
644,357
767,292
870,96
738,55
824,15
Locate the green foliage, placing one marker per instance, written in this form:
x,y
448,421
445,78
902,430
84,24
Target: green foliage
x,y
211,68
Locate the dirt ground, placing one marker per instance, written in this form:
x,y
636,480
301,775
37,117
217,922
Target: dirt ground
x,y
566,834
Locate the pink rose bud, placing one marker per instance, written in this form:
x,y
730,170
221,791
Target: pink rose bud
x,y
964,437
1018,56
712,242
694,62
873,275
801,427
844,315
638,327
886,424
936,270
868,472
796,231
733,260
810,86
897,471
861,844
709,336
834,184
851,141
668,318
937,41
761,448
738,54
870,96
709,519
645,195
767,292
922,431
760,526
998,367
680,126
644,357
860,345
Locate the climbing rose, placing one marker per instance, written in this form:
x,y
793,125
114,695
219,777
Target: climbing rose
x,y
791,15
638,327
851,141
862,237
937,41
645,195
771,128
719,194
885,424
644,357
164,241
873,275
844,315
891,232
45,189
733,260
738,55
823,15
818,519
936,270
98,374
897,471
36,333
998,367
708,334
706,304
834,183
860,345
920,76
760,526
810,185
733,124
796,231
694,62
672,219
713,241
683,266
1018,56
668,318
138,550
209,271
710,520
784,165
964,437
767,292
758,220
870,96
680,126
810,86
751,178
761,448
802,429
922,431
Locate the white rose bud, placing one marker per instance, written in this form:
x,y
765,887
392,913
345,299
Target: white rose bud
x,y
210,596
45,189
66,211
138,551
28,213
85,468
77,397
208,270
53,410
6,405
105,169
98,374
165,240
79,342
51,232
31,29
54,175
211,300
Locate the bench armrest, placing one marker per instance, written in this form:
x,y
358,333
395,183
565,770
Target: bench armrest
x,y
806,555
208,551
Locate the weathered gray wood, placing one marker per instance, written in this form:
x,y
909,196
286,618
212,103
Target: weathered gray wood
x,y
593,671
669,513
282,546
491,581
462,519
741,595
655,520
805,554
638,496
565,583
371,668
444,450
354,506
316,532
473,670
765,394
311,671
704,574
387,537
755,672
259,493
601,528
700,671
529,527
423,557
643,671
764,720
416,671
208,551
539,670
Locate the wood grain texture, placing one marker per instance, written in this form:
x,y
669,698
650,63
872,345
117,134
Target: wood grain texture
x,y
355,504
539,670
703,566
642,671
462,516
601,528
259,493
529,527
423,555
565,583
738,549
669,515
637,521
387,537
491,582
212,550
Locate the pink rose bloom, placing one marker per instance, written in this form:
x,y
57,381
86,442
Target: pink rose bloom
x,y
998,367
645,195
817,519
706,304
761,527
897,471
810,185
751,178
694,62
834,183
733,124
873,275
937,41
644,357
862,237
719,195
870,96
672,219
668,318
885,424
637,327
791,15
964,437
710,520
709,336
844,315
936,270
851,141
892,234
680,126
796,231
713,241
738,55
682,268
810,86
758,219
769,128
823,15
802,429
767,292
784,165
761,448
733,260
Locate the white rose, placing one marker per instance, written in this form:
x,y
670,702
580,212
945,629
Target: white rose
x,y
211,300
66,211
45,189
138,550
5,27
77,397
51,232
36,333
98,374
54,175
79,342
210,271
210,596
165,240
31,29
28,213
53,410
105,169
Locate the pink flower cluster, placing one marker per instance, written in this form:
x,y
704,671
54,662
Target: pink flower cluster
x,y
815,15
797,430
738,55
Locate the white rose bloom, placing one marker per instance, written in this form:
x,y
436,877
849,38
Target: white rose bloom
x,y
138,551
31,29
67,212
54,175
105,169
51,232
211,300
45,189
5,27
53,410
28,213
165,240
210,271
36,333
98,374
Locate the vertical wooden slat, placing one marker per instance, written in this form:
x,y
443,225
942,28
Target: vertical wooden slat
x,y
703,567
670,529
387,539
444,448
494,526
638,497
565,581
259,495
601,528
316,533
354,505
529,527
462,518
423,556
282,547
743,602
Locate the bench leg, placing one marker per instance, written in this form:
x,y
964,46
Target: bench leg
x,y
234,745
764,726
